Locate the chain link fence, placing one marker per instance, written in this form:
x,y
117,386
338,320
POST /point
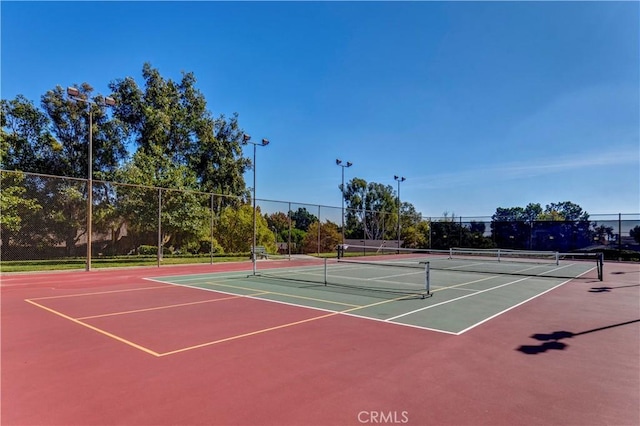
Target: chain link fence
x,y
44,218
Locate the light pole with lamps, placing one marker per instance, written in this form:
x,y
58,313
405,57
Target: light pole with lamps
x,y
343,166
75,95
246,139
399,179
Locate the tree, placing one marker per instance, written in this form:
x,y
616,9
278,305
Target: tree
x,y
55,142
560,226
179,146
416,235
329,238
511,227
567,210
635,233
414,231
185,214
302,219
372,210
278,221
169,119
447,233
234,230
26,142
354,197
602,233
23,144
71,124
16,210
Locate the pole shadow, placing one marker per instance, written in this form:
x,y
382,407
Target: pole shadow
x,y
608,289
551,341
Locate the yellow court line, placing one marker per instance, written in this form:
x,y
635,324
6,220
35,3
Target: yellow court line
x,y
167,306
284,294
101,292
156,354
278,327
253,333
105,333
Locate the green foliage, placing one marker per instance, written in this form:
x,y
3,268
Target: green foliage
x,y
26,142
372,210
146,250
15,207
561,226
416,235
278,221
72,121
635,233
302,219
234,230
297,237
330,237
168,120
602,234
567,210
208,246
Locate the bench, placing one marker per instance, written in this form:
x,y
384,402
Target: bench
x,y
261,252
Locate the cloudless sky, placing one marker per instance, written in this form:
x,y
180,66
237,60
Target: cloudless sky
x,y
478,105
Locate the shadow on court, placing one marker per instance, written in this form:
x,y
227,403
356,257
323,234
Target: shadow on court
x,y
552,340
608,289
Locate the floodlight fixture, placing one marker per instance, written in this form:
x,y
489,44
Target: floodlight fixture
x,y
73,91
349,164
74,94
246,139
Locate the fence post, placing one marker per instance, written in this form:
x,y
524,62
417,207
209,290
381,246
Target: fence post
x,y
289,244
619,236
211,244
159,226
319,226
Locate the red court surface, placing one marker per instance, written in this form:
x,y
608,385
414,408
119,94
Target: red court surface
x,y
111,351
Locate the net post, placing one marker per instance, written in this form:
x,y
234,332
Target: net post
x,y
498,255
450,253
601,266
557,254
427,277
253,259
325,271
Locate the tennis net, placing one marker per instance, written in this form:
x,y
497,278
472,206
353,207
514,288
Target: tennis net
x,y
408,278
489,261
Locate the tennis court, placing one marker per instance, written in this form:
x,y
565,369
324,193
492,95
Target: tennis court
x,y
367,339
397,288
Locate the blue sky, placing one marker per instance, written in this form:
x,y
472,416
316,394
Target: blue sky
x,y
478,104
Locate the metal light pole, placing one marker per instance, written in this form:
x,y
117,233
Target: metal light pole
x,y
343,166
399,179
75,94
246,139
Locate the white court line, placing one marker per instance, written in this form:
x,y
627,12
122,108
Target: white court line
x,y
509,308
347,312
456,299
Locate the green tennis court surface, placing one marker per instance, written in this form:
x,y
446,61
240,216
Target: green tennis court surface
x,y
395,290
